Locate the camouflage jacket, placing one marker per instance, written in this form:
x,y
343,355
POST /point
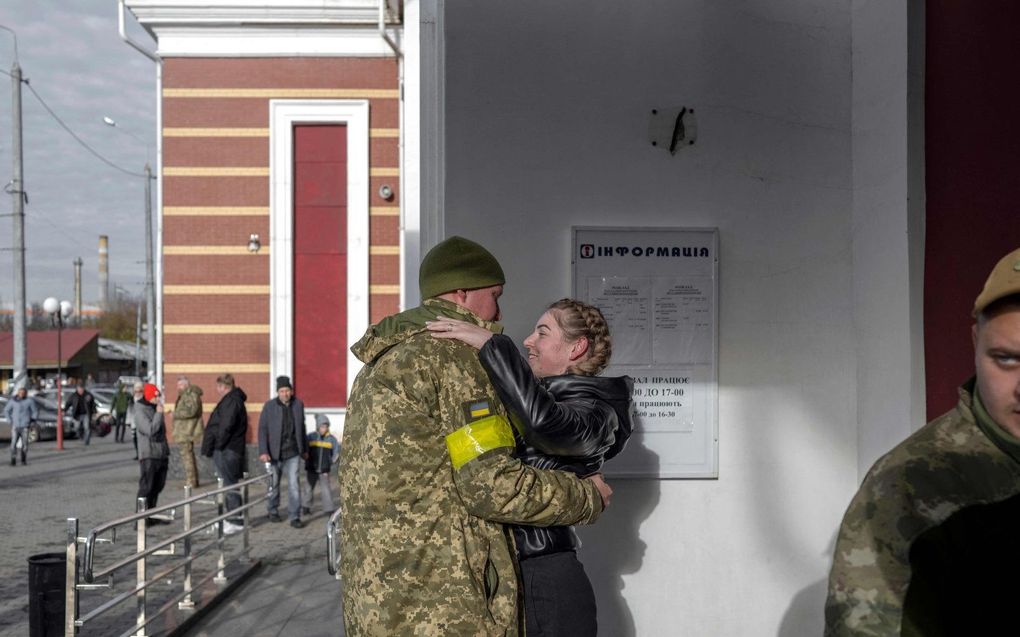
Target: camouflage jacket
x,y
916,496
188,415
423,550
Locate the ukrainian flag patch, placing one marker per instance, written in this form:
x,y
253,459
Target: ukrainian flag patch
x,y
476,409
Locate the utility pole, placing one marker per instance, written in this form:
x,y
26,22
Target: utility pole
x,y
77,289
17,190
138,338
150,286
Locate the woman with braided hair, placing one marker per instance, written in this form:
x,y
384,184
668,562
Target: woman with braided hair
x,y
566,417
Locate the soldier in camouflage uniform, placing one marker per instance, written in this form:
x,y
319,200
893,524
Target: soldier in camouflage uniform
x,y
427,474
928,545
188,426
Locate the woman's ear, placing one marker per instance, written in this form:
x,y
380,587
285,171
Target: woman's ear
x,y
579,349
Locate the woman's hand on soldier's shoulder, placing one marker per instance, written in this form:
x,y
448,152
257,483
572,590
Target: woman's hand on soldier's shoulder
x,y
474,335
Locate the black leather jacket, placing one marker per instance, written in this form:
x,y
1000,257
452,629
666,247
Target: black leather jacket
x,y
571,423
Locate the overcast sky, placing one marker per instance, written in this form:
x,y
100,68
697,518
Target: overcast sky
x,y
71,53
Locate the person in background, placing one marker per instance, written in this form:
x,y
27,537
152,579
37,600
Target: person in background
x,y
223,441
21,410
568,418
323,453
282,445
188,426
121,402
153,450
928,546
81,405
136,389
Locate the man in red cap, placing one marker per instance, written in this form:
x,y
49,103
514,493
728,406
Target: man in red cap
x,y
153,451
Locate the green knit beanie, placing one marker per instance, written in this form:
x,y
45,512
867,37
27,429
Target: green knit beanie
x,y
458,264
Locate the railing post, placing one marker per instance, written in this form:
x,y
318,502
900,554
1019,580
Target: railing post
x,y
140,527
221,564
245,518
71,579
187,602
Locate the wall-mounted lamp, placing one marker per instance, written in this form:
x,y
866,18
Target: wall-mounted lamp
x,y
672,128
386,192
253,243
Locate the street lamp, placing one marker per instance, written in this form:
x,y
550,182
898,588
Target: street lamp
x,y
59,311
150,287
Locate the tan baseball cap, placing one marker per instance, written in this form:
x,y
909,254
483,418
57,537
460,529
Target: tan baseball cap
x,y
1002,282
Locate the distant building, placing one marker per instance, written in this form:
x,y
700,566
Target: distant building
x,y
79,354
82,352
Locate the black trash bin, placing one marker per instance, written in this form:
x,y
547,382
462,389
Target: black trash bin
x,y
46,573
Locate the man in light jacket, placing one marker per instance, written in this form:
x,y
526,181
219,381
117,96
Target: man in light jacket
x,y
21,411
282,444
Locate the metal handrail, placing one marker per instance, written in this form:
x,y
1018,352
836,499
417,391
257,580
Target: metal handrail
x,y
332,553
83,569
113,601
90,540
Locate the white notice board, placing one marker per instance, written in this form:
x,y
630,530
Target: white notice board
x,y
659,291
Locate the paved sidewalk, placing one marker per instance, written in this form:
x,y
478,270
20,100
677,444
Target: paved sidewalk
x,y
98,483
293,594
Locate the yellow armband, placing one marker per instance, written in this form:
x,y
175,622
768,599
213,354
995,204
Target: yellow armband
x,y
471,441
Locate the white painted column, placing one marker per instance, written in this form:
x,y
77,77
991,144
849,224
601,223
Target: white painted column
x,y
888,233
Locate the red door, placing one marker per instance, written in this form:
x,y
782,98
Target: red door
x,y
320,265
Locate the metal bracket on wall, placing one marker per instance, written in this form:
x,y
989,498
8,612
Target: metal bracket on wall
x,y
672,128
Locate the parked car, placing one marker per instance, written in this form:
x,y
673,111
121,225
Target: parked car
x,y
45,425
5,425
103,395
129,381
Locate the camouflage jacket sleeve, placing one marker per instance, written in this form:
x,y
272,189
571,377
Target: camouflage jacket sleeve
x,y
492,483
870,570
446,378
497,487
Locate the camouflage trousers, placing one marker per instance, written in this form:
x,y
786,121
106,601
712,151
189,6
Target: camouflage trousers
x,y
188,460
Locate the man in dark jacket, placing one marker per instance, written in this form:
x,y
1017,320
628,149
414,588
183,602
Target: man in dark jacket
x,y
282,444
224,441
81,405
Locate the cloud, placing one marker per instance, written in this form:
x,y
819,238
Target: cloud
x,y
72,55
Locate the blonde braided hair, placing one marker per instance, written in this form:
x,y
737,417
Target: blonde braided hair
x,y
577,320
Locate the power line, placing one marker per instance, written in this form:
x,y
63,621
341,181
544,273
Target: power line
x,y
31,215
75,135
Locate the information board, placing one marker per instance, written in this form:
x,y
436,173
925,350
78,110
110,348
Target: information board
x,y
658,289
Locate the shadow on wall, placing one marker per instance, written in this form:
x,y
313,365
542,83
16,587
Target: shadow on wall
x,y
801,617
807,608
612,547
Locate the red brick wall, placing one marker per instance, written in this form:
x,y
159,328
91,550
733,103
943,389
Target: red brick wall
x,y
213,104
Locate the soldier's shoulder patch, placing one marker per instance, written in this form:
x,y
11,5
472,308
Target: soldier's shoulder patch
x,y
476,409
